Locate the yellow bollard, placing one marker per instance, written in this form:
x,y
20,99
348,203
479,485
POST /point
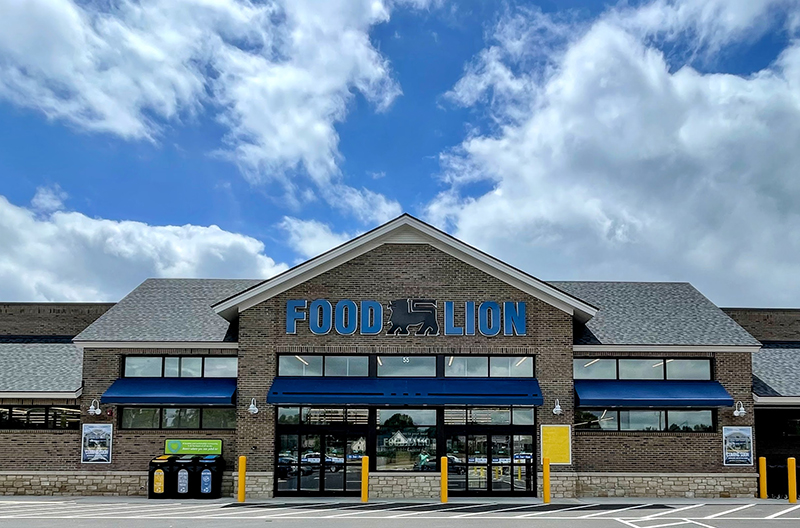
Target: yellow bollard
x,y
364,479
546,481
762,477
792,480
242,476
444,479
519,472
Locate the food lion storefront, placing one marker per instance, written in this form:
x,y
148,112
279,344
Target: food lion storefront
x,y
408,346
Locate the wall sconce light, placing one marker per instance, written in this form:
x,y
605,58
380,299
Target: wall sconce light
x,y
557,408
94,408
252,409
739,410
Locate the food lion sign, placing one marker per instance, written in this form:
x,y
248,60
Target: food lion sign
x,y
419,317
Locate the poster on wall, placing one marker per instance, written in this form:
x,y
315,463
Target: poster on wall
x,y
737,446
96,444
557,444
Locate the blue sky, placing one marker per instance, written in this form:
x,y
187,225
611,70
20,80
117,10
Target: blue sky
x,y
576,140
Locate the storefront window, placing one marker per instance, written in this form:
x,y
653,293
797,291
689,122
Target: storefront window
x,y
407,366
641,420
180,418
406,440
596,419
28,418
594,368
489,415
172,367
219,418
141,418
322,415
347,366
63,418
142,367
699,421
522,415
511,366
641,369
300,366
288,415
688,369
221,367
466,366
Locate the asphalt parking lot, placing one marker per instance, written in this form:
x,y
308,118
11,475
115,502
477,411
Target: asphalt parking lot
x,y
138,513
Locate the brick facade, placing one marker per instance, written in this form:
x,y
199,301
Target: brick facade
x,y
43,319
766,324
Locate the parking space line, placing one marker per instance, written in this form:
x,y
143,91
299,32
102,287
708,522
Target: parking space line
x,y
787,510
186,510
526,515
720,514
125,510
673,510
698,523
370,510
613,511
471,514
676,523
89,509
29,505
444,510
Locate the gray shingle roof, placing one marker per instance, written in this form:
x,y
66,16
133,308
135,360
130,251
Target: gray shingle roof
x,y
29,367
653,313
776,369
168,310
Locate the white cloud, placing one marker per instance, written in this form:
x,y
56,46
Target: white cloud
x,y
67,256
48,199
606,160
279,76
310,238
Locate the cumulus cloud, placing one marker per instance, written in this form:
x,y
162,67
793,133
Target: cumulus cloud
x,y
48,198
607,159
67,256
278,75
310,238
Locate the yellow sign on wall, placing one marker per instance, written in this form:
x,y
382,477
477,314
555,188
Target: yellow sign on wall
x,y
557,443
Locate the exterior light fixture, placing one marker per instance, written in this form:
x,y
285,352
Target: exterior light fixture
x,y
739,410
252,409
94,408
557,408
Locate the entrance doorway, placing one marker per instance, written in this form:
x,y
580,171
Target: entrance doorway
x,y
485,462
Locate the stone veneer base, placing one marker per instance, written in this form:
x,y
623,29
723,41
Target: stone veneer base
x,y
393,485
75,483
666,485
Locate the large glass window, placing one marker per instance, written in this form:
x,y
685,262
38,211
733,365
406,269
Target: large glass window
x,y
406,440
221,367
178,418
594,368
347,366
511,366
605,419
641,369
641,420
55,417
688,369
63,418
180,367
466,366
28,418
701,421
142,367
407,366
300,366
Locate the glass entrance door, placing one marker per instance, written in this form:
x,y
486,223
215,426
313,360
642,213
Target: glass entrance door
x,y
491,463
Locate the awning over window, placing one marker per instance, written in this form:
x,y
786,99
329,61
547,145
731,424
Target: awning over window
x,y
172,391
405,391
656,393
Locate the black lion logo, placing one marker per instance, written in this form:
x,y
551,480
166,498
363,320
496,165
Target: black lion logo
x,y
412,312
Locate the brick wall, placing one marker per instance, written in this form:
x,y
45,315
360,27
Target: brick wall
x,y
395,271
63,319
768,324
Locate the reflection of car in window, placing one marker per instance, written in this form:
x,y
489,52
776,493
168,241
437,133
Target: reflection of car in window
x,y
331,462
287,467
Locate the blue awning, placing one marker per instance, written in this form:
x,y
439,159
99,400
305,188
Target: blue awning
x,y
172,391
405,391
656,393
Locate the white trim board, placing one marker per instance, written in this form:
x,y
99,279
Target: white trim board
x,y
666,348
157,344
776,401
42,395
405,230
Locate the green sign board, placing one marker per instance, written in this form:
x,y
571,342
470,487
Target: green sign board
x,y
193,447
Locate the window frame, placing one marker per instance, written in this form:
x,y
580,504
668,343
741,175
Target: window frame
x,y
124,365
161,408
663,359
8,423
666,411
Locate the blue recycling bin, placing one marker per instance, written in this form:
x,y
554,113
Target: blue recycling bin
x,y
209,482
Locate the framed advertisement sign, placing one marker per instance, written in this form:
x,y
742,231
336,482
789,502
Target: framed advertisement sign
x,y
737,446
96,444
